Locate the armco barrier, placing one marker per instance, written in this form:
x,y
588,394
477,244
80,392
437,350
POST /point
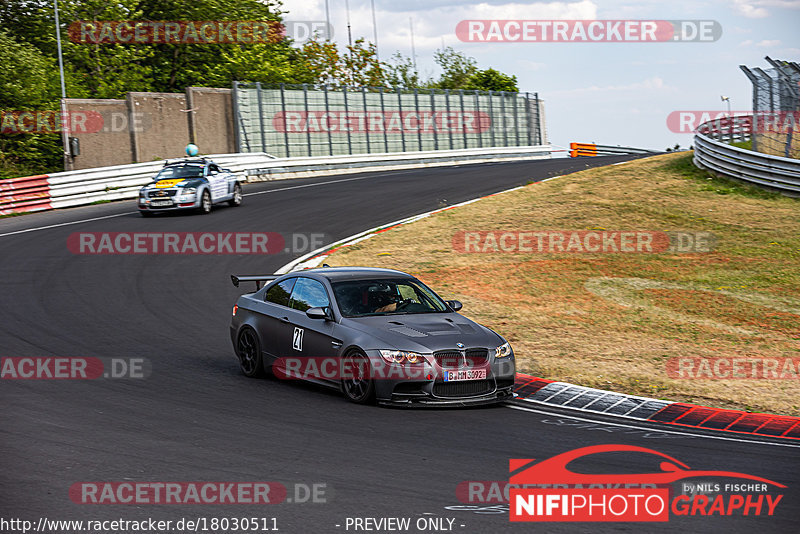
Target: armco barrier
x,y
75,188
774,172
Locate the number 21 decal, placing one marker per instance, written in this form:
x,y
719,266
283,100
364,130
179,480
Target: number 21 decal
x,y
297,339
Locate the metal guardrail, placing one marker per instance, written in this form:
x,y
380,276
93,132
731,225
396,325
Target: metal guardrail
x,y
87,186
773,172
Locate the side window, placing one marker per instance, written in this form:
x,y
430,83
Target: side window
x,y
407,292
279,293
309,293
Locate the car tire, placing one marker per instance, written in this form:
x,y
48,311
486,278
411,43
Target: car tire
x,y
205,202
248,350
237,196
359,388
145,213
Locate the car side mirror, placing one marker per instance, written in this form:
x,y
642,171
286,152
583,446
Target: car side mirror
x,y
456,305
317,313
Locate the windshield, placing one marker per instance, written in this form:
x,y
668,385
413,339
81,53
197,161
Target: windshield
x,y
180,172
360,298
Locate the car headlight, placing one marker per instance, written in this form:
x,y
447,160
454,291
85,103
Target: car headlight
x,y
189,191
401,356
503,350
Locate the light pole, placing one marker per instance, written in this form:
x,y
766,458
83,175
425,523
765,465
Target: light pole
x,y
728,100
375,32
328,20
413,51
63,106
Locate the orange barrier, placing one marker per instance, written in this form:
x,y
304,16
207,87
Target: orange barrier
x,y
582,149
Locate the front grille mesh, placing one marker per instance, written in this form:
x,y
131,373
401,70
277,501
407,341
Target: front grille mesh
x,y
477,357
449,359
157,194
470,388
455,359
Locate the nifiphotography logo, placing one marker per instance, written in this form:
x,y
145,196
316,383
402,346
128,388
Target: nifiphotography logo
x,y
548,490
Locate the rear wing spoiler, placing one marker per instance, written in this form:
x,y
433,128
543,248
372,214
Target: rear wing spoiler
x,y
257,278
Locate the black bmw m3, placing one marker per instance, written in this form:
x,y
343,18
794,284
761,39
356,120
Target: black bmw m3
x,y
377,334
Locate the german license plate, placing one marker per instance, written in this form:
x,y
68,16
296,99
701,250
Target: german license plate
x,y
465,374
161,203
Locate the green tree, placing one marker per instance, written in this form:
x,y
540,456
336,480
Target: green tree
x,y
492,80
105,70
259,63
320,59
174,67
402,72
34,86
322,62
457,68
361,67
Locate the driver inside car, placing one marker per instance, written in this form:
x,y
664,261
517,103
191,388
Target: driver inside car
x,y
385,299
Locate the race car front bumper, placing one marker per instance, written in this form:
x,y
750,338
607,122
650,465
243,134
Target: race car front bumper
x,y
430,389
177,202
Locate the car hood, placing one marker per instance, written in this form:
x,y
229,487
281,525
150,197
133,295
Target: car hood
x,y
424,332
172,182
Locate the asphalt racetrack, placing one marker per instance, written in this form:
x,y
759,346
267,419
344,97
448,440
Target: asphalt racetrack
x,y
197,418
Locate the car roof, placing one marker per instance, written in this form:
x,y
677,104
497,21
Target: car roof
x,y
337,274
188,161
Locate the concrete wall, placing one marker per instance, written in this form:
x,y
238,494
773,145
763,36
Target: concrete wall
x,y
166,129
152,126
108,145
211,119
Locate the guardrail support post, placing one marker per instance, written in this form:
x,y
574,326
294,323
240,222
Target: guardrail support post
x,y
308,130
261,118
433,114
327,121
347,118
237,138
366,121
480,119
416,107
492,122
402,119
285,123
383,121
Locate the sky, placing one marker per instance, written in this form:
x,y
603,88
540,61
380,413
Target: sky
x,y
613,93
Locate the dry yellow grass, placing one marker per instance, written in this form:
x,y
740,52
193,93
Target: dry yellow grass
x,y
743,299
